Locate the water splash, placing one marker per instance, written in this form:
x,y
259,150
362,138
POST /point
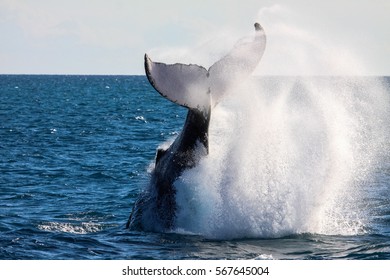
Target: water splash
x,y
287,156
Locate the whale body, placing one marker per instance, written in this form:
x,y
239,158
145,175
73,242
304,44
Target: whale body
x,y
199,90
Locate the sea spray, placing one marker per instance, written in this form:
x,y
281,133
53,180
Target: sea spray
x,y
287,156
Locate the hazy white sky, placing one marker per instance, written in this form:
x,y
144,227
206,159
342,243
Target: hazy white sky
x,y
334,37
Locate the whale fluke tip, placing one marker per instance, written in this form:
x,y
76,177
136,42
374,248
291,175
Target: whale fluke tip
x,y
258,26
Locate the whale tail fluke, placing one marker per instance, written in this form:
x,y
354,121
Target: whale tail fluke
x,y
238,64
194,87
185,85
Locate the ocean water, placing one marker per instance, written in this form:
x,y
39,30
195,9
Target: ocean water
x,y
299,168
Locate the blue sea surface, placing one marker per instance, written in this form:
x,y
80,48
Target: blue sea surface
x,y
75,153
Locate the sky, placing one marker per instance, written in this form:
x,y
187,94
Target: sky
x,y
334,37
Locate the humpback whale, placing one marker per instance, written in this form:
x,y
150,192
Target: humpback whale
x,y
199,90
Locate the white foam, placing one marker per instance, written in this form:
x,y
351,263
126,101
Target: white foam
x,y
82,228
141,118
264,257
286,156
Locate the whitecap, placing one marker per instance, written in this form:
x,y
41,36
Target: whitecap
x,y
264,257
141,118
83,228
